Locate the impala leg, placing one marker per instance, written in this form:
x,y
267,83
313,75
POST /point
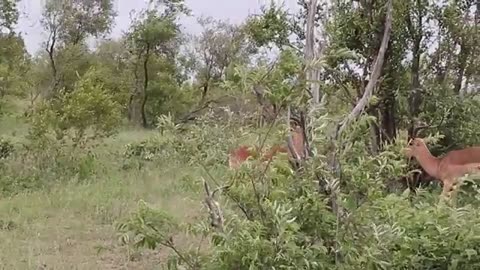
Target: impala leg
x,y
448,187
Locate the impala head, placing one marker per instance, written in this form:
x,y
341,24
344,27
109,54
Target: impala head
x,y
415,147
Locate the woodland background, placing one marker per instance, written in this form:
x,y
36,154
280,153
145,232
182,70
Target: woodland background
x,y
104,151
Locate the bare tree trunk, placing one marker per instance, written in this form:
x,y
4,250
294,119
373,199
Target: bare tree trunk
x,y
416,93
389,126
312,74
52,40
375,138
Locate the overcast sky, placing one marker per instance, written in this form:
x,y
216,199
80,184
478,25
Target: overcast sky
x,y
233,10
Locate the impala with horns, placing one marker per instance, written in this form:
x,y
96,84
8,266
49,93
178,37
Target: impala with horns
x,y
295,148
448,168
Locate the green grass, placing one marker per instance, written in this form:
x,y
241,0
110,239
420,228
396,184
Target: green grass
x,y
72,226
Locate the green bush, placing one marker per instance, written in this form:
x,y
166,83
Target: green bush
x,y
277,218
86,113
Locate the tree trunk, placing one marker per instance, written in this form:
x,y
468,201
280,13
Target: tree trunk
x,y
136,107
462,64
415,98
50,48
388,126
138,97
375,138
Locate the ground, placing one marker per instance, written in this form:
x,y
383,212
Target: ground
x,y
72,226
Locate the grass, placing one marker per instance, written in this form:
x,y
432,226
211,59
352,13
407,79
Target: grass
x,y
72,226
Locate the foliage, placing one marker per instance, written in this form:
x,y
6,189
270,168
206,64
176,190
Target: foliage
x,y
73,21
278,219
154,225
43,163
347,208
8,15
272,27
88,108
153,43
217,50
14,65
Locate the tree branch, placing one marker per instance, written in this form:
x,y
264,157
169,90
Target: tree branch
x,y
376,72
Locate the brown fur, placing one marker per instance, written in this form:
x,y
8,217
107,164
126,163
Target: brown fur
x,y
448,168
241,154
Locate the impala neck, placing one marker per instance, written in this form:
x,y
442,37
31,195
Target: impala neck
x,y
428,162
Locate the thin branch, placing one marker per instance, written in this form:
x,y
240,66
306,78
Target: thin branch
x,y
169,243
216,214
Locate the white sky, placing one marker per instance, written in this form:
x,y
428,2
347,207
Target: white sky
x,y
233,10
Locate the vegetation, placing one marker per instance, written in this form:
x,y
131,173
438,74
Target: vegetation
x,y
116,156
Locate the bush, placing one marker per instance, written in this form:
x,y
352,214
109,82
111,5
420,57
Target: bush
x,y
277,218
40,164
86,113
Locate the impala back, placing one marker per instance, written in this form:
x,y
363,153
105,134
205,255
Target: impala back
x,y
463,156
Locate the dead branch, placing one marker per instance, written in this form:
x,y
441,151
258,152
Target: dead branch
x,y
216,214
376,72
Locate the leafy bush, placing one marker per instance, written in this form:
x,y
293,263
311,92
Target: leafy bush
x,y
277,218
43,163
88,108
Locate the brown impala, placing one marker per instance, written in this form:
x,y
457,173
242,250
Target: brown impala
x,y
240,154
448,168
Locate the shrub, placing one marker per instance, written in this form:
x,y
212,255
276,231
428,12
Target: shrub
x,y
277,218
86,113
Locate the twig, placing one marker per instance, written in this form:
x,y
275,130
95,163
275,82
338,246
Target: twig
x,y
169,243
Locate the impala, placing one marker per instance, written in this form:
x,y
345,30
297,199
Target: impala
x,y
239,155
447,169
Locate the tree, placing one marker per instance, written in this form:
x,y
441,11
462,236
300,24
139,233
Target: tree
x,y
220,46
14,58
14,64
70,23
111,60
153,35
8,15
88,112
